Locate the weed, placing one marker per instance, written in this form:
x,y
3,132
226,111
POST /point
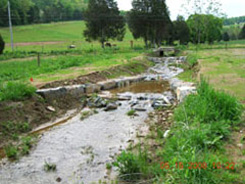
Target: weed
x,y
131,112
49,167
108,166
11,151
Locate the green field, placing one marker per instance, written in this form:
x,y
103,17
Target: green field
x,y
63,33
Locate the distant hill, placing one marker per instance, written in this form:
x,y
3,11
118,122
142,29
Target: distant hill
x,y
234,20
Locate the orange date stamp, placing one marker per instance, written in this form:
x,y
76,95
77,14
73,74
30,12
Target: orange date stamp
x,y
198,165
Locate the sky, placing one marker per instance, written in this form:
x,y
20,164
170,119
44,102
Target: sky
x,y
232,8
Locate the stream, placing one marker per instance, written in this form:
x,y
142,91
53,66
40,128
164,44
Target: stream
x,y
80,149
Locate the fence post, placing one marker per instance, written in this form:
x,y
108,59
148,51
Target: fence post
x,y
38,60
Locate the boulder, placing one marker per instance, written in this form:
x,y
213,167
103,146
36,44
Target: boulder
x,y
111,107
184,91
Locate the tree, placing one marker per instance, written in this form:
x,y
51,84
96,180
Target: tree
x,y
242,34
2,44
103,21
226,37
182,32
149,19
204,28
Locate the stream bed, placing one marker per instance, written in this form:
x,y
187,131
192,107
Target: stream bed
x,y
80,149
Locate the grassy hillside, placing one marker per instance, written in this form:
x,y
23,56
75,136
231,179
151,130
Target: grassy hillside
x,y
61,31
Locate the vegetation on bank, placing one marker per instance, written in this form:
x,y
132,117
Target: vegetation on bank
x,y
15,91
193,151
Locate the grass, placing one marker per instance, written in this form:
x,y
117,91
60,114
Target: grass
x,y
15,91
49,167
24,70
225,70
195,143
13,152
63,33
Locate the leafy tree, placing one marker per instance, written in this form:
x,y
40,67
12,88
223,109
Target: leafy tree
x,y
149,19
226,37
103,21
204,28
2,44
182,32
242,34
36,11
234,20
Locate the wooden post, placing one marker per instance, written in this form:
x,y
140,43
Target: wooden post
x,y
132,43
38,60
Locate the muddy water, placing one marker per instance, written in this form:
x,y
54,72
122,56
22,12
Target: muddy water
x,y
81,149
144,87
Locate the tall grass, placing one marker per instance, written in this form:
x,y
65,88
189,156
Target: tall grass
x,y
15,91
202,122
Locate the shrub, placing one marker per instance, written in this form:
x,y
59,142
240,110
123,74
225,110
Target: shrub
x,y
2,44
15,91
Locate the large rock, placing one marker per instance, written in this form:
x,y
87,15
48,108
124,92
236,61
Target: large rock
x,y
184,91
107,85
111,107
92,88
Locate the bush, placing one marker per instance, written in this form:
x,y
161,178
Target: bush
x,y
2,44
15,91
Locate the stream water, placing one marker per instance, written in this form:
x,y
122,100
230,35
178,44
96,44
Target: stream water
x,y
82,148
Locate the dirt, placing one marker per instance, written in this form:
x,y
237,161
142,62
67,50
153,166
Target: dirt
x,y
34,111
236,151
94,77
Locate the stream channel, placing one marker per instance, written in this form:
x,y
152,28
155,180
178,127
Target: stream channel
x,y
80,149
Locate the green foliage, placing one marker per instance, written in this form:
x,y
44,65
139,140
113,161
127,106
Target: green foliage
x,y
103,21
234,20
128,166
2,44
210,106
108,166
11,151
9,128
131,112
205,28
192,60
182,32
149,19
242,33
226,37
37,11
15,91
49,167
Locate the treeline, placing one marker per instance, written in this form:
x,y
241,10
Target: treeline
x,y
234,20
41,11
149,20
